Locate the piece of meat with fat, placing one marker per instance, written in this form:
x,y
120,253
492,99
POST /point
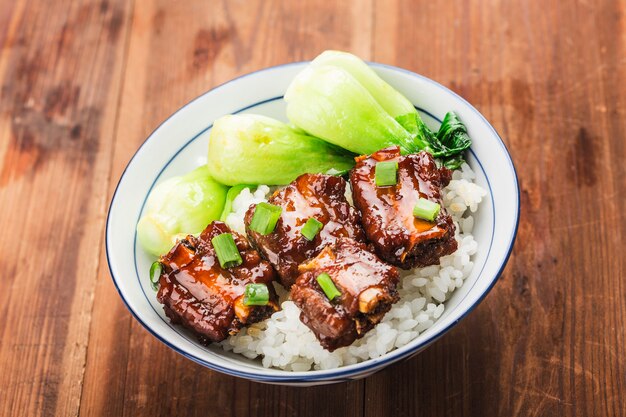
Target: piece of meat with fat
x,y
310,195
367,286
387,211
206,298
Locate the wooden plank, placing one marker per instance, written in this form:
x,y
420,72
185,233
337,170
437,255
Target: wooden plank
x,y
60,67
549,339
177,52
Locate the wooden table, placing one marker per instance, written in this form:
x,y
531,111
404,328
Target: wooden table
x,y
84,82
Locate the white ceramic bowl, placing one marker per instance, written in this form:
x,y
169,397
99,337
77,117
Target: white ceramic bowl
x,y
180,144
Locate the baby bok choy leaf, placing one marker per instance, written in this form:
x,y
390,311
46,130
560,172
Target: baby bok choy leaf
x,y
394,103
328,102
340,99
452,137
450,141
178,207
254,149
453,162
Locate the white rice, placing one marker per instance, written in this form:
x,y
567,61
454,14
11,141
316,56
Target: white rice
x,y
282,341
241,203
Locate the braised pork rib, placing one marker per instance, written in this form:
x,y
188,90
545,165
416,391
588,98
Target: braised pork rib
x,y
387,212
310,196
367,289
206,298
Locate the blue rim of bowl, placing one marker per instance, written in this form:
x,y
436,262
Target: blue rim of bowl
x,y
326,375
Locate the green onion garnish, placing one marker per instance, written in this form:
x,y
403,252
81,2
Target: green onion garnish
x,y
385,173
265,218
256,295
311,228
226,250
426,209
155,274
328,286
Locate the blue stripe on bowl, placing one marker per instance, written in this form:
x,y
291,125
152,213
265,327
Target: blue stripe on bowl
x,y
312,376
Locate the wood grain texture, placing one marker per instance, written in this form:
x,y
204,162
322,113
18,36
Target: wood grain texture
x,y
61,68
84,82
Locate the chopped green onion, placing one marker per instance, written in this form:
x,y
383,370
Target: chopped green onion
x,y
311,228
328,286
385,173
226,250
256,295
155,274
265,218
426,209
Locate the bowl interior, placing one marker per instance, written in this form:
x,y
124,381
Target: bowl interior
x,y
180,144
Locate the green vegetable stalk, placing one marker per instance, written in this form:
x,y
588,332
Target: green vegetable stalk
x,y
253,149
328,102
340,99
394,103
178,207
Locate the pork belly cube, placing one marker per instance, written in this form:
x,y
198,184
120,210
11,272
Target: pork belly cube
x,y
367,288
387,211
317,196
202,296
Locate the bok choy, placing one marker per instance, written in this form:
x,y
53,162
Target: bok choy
x,y
340,99
392,102
178,207
328,102
254,149
452,137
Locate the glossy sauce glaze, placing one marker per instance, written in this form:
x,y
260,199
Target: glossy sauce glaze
x,y
367,286
310,195
387,212
198,293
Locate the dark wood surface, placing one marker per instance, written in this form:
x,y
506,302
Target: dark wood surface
x,y
84,82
